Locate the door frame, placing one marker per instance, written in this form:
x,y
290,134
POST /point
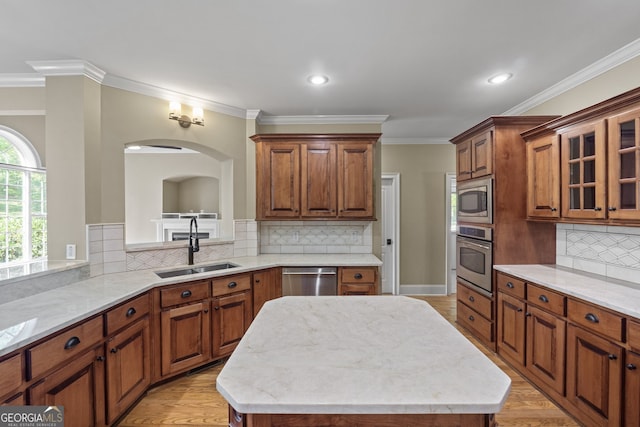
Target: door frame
x,y
450,287
395,206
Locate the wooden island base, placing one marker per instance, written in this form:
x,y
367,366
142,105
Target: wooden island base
x,y
237,419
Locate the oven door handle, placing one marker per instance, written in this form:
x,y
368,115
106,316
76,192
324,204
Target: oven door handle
x,y
477,245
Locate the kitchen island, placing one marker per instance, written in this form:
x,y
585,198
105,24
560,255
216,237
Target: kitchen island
x,y
373,360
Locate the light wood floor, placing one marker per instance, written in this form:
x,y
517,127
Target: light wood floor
x,y
193,400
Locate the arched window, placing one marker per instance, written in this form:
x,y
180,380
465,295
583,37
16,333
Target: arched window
x,y
23,201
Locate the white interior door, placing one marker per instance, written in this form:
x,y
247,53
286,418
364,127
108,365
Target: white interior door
x,y
390,202
450,183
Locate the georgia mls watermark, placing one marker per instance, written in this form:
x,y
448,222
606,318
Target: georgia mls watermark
x,y
31,416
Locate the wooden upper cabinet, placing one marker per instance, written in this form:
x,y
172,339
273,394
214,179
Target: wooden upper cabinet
x,y
482,155
543,177
583,167
318,179
305,176
624,166
463,160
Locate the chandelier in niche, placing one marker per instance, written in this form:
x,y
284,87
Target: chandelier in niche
x,y
175,113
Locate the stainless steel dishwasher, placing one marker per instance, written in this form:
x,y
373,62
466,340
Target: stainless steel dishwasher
x,y
309,281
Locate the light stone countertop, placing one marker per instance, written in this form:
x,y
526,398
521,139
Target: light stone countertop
x,y
358,355
26,320
618,295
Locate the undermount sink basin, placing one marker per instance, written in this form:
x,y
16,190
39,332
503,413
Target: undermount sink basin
x,y
195,270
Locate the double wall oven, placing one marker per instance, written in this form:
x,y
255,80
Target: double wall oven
x,y
474,247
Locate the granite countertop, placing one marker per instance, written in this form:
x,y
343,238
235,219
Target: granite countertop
x,y
28,319
358,355
618,295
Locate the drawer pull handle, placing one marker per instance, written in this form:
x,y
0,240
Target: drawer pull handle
x,y
232,285
185,294
131,312
510,285
471,298
613,357
592,318
631,367
357,276
72,342
472,318
543,298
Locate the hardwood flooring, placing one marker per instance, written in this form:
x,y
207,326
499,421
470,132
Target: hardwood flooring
x,y
192,400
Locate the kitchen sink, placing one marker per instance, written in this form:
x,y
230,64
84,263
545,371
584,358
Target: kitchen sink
x,y
195,270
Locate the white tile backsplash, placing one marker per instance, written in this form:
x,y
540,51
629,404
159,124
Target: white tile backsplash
x,y
606,250
315,237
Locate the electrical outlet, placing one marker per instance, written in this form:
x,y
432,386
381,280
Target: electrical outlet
x,y
71,251
296,236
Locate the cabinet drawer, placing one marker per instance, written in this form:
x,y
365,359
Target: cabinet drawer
x,y
511,285
231,284
633,328
544,298
184,293
63,347
596,319
471,319
126,313
357,275
477,301
10,374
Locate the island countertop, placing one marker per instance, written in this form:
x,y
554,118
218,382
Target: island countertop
x,y
358,355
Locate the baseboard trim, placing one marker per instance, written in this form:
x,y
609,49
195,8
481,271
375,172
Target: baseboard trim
x,y
423,289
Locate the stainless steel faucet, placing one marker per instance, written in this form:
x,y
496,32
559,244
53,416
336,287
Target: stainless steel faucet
x,y
193,246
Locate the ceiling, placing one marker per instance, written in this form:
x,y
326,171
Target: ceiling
x,y
425,64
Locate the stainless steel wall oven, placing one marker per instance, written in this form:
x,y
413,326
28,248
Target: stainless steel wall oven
x,y
474,255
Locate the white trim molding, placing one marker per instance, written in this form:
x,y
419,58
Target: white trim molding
x,y
416,141
21,80
322,120
254,115
620,56
68,67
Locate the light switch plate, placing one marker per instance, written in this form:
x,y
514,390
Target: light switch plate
x,y
71,251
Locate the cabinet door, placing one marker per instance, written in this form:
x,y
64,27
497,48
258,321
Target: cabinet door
x,y
267,285
624,166
11,372
128,368
281,180
632,390
583,171
357,289
543,177
318,180
185,333
546,347
78,386
355,180
232,316
482,155
594,376
463,160
511,329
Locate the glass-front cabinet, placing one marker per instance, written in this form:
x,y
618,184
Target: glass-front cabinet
x,y
624,165
583,150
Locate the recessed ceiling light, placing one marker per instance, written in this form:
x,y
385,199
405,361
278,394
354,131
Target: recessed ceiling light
x,y
318,80
500,78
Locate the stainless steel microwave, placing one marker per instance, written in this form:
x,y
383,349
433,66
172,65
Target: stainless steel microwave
x,y
475,201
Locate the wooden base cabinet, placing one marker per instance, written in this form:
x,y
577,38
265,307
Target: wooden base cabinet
x,y
358,281
11,382
545,348
79,387
594,376
511,329
267,285
232,312
632,390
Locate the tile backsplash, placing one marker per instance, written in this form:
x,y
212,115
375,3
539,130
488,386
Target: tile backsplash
x,y
315,237
606,250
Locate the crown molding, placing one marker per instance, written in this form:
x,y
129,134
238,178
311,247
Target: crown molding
x,y
414,141
254,115
169,95
68,67
21,80
619,57
322,119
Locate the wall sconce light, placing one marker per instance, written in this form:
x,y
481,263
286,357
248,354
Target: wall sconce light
x,y
175,113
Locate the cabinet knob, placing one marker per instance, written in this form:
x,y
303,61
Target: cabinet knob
x,y
631,367
471,298
185,294
527,314
519,310
257,280
554,209
509,285
232,285
206,311
597,209
100,358
357,276
113,350
131,312
472,318
613,357
216,308
612,208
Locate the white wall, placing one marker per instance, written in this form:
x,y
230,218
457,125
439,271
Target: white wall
x,y
144,174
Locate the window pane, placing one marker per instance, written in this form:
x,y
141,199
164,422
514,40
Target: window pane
x,y
14,234
38,237
628,165
628,196
8,153
589,148
574,147
628,134
574,196
574,173
590,171
589,198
